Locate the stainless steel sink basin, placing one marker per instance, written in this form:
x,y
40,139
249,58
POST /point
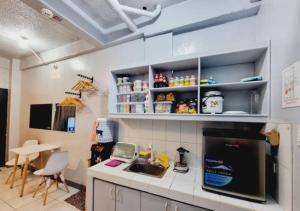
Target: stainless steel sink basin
x,y
141,166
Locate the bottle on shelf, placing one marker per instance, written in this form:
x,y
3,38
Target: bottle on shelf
x,y
171,82
181,81
177,81
160,80
193,81
187,81
156,80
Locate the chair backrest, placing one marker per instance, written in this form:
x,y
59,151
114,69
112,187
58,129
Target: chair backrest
x,y
29,143
57,162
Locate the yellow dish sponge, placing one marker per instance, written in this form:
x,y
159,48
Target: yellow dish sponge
x,y
164,160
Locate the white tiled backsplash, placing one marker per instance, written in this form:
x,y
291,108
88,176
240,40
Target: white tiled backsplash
x,y
165,136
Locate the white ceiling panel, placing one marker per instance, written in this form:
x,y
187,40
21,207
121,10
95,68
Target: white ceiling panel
x,y
18,19
106,17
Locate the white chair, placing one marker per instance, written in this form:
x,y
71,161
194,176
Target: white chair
x,y
53,170
21,160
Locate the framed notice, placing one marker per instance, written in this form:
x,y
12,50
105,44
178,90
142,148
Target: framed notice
x,y
291,86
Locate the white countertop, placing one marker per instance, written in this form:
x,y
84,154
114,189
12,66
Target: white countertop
x,y
180,187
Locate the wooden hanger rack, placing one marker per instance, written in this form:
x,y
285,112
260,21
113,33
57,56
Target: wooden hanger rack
x,y
74,93
86,77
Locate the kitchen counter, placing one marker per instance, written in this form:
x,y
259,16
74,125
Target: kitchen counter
x,y
180,187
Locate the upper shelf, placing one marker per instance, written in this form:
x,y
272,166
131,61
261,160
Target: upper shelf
x,y
230,58
258,118
236,85
175,89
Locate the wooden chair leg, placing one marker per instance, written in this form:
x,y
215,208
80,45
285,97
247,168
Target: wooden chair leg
x,y
48,186
7,180
21,172
14,171
38,187
24,176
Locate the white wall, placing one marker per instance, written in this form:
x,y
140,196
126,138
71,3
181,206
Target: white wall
x,y
42,85
279,21
4,73
14,105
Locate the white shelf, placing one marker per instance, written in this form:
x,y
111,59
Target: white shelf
x,y
175,89
131,93
229,58
236,85
130,103
223,65
258,118
123,84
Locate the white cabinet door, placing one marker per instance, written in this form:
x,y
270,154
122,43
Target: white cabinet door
x,y
176,206
154,203
104,196
127,199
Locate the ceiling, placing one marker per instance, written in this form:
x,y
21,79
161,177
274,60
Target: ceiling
x,y
98,22
23,18
18,19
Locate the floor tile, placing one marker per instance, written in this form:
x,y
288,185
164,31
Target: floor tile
x,y
20,202
37,205
61,207
61,194
5,207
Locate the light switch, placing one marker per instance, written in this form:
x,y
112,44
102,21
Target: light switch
x,y
298,135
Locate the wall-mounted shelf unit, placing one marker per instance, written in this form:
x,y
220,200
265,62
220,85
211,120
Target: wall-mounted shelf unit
x,y
227,68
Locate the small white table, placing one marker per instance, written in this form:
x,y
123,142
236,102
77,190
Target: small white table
x,y
26,151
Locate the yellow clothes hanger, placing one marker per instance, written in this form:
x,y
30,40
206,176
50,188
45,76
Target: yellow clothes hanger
x,y
71,101
84,86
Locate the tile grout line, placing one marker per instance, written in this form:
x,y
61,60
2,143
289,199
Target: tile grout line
x,y
8,204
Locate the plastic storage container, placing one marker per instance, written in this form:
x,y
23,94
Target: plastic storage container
x,y
138,97
163,107
137,108
125,88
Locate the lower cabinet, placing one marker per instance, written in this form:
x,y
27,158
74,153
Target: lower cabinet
x,y
127,199
151,202
177,206
104,196
111,197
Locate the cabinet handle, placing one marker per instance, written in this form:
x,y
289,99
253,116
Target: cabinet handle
x,y
112,193
176,208
166,206
118,196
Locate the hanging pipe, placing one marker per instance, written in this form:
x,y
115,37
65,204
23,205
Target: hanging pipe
x,y
120,9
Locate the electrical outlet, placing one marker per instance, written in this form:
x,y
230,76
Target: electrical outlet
x,y
298,135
